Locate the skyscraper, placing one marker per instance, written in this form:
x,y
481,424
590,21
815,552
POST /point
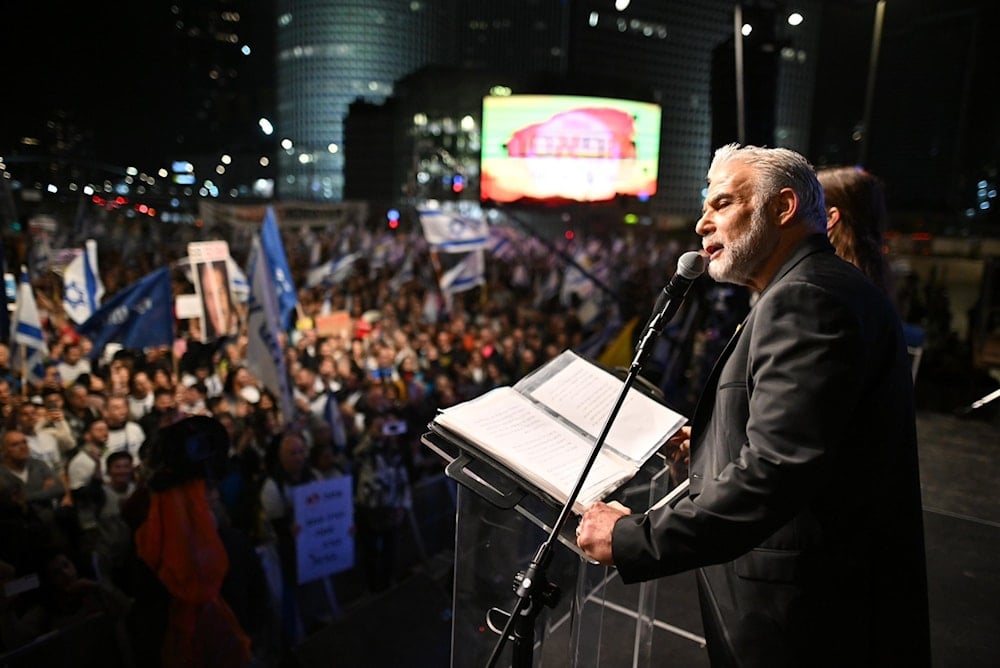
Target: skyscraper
x,y
330,54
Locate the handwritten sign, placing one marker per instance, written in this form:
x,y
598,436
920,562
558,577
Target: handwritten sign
x,y
337,323
324,510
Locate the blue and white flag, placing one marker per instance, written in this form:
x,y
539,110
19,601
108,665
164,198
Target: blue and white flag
x,y
503,243
265,357
277,263
334,272
139,316
82,286
465,275
451,232
26,327
27,337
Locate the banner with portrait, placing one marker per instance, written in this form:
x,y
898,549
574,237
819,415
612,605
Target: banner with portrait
x,y
209,261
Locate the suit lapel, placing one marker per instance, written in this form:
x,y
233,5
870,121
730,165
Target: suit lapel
x,y
707,399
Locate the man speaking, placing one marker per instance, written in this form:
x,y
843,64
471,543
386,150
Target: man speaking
x,y
804,513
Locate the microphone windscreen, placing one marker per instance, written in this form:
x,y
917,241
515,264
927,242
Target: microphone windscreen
x,y
691,265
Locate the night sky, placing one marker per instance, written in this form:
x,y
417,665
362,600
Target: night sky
x,y
113,67
102,65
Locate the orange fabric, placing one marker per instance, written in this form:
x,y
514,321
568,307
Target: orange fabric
x,y
180,543
204,635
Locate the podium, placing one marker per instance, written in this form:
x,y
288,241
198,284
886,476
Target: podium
x,y
589,619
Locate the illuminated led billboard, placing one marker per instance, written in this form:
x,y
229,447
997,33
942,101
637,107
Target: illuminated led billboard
x,y
559,147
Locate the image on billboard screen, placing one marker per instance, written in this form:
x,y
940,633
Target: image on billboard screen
x,y
551,148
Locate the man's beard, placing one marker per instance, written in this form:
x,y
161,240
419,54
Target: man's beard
x,y
746,254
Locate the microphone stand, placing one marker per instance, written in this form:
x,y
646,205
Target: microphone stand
x,y
531,585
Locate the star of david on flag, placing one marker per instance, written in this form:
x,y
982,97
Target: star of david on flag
x,y
82,286
451,232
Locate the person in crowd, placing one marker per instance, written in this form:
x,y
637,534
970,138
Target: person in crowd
x,y
117,376
183,619
140,396
72,363
327,374
244,587
18,626
163,412
7,400
6,372
85,478
804,557
79,411
51,379
308,393
43,445
161,377
303,606
52,420
64,599
241,383
43,488
194,399
239,485
68,597
113,543
382,498
856,220
324,456
307,348
123,432
205,373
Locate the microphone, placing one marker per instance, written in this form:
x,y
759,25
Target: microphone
x,y
690,266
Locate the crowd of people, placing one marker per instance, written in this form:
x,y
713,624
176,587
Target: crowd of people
x,y
80,447
82,450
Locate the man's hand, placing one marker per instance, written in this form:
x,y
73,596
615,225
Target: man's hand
x,y
677,450
678,447
593,535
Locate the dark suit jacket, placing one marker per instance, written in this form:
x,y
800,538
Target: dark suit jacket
x,y
804,510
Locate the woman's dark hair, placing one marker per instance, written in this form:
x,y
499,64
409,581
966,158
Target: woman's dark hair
x,y
858,236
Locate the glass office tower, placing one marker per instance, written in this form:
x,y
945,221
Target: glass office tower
x,y
330,54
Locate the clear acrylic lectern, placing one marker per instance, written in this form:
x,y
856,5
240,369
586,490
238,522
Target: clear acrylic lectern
x,y
589,620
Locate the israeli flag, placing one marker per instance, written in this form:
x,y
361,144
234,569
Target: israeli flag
x,y
82,286
26,327
465,275
451,232
26,333
334,272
